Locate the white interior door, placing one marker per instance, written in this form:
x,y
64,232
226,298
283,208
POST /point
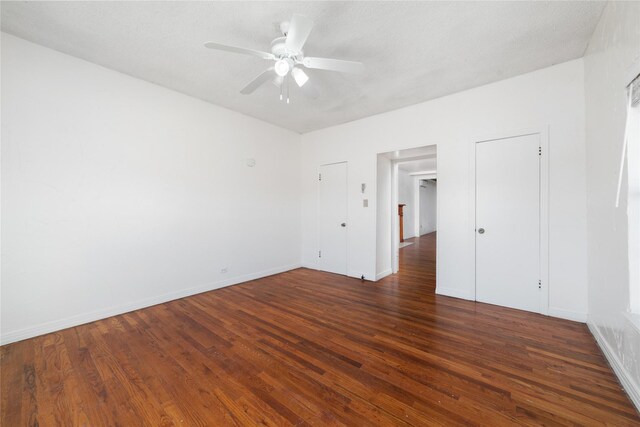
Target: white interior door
x,y
333,218
508,222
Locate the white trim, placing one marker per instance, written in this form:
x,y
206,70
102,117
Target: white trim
x,y
57,325
634,320
576,316
456,293
416,206
543,132
428,176
356,274
383,274
423,173
544,220
628,383
395,224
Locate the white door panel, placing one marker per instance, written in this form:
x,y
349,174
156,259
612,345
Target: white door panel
x,y
508,211
333,218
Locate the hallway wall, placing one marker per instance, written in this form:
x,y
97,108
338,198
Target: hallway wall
x,y
428,207
407,196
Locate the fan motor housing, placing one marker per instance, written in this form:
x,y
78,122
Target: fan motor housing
x,y
280,50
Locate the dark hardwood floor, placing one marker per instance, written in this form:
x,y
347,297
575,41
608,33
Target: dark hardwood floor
x,y
312,348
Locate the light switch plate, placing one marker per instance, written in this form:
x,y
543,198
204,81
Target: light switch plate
x,y
365,203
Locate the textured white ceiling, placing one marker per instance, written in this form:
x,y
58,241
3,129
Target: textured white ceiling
x,y
413,51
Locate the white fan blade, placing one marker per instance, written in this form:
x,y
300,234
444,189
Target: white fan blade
x,y
259,54
333,65
261,79
299,29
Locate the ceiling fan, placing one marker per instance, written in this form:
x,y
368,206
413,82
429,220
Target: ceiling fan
x,y
289,58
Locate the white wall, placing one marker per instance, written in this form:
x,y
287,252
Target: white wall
x,y
407,196
383,218
613,56
428,207
117,193
551,98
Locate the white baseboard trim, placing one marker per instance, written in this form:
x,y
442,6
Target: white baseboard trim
x,y
57,325
630,386
576,316
309,264
357,274
456,293
383,274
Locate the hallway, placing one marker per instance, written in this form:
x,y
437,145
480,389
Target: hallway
x,y
419,260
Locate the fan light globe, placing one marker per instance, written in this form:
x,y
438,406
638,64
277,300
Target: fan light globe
x,y
299,76
282,67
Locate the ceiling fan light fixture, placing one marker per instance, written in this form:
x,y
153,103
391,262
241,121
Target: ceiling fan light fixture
x,y
287,53
299,76
282,67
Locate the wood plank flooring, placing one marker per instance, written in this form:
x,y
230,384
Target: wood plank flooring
x,y
312,348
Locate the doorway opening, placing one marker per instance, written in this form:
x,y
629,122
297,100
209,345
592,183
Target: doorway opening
x,y
406,213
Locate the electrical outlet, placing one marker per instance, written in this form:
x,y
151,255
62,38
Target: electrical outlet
x,y
223,270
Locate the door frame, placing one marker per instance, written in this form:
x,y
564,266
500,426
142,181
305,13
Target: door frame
x,y
543,132
318,237
395,221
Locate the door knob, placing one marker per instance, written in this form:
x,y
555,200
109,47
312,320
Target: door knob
x,y
480,230
344,224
